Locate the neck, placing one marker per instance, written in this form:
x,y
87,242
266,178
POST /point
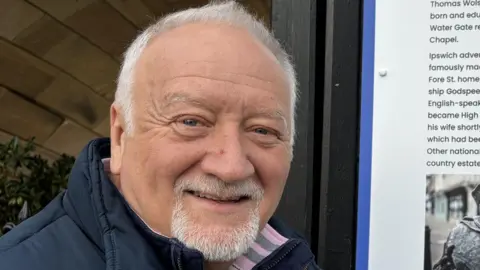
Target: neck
x,y
115,178
217,265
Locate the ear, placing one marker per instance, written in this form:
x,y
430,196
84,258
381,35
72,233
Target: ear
x,y
117,139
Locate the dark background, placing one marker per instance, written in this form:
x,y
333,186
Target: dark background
x,y
324,38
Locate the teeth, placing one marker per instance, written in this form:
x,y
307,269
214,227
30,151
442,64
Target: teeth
x,y
215,198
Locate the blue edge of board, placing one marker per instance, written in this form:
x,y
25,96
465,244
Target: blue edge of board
x,y
366,125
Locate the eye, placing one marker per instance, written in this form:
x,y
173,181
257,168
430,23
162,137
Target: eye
x,y
190,122
192,127
265,132
262,131
264,136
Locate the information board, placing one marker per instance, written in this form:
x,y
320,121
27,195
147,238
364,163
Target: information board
x,y
420,136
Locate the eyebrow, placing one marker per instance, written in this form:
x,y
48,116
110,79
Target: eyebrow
x,y
173,98
269,113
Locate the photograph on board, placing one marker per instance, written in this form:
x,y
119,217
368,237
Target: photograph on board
x,y
452,222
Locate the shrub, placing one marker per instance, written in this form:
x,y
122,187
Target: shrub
x,y
28,182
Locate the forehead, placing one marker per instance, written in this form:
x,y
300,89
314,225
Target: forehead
x,y
216,52
214,42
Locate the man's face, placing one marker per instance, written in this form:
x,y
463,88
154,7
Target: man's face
x,y
210,153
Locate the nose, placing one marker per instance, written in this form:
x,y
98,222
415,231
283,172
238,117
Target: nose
x,y
227,157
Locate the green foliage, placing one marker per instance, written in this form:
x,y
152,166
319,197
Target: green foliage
x,y
28,182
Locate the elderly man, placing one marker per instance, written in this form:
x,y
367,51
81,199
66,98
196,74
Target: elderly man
x,y
202,129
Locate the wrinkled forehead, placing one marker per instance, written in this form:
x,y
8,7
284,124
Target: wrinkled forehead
x,y
217,51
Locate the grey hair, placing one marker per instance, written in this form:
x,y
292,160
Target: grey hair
x,y
229,12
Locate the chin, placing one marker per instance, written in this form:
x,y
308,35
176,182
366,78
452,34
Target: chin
x,y
218,241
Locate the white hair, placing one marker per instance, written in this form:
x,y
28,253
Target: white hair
x,y
229,12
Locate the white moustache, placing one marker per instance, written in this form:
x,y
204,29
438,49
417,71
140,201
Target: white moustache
x,y
216,189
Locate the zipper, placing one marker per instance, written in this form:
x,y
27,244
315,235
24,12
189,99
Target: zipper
x,y
179,263
283,256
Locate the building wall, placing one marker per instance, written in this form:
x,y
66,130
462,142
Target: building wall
x,y
59,61
441,207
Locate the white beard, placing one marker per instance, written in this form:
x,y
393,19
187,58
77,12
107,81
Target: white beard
x,y
217,243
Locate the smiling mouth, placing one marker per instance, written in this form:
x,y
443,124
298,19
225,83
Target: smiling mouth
x,y
211,197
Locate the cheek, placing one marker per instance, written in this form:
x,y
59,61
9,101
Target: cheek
x,y
148,175
141,169
136,172
272,167
157,160
272,170
165,162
